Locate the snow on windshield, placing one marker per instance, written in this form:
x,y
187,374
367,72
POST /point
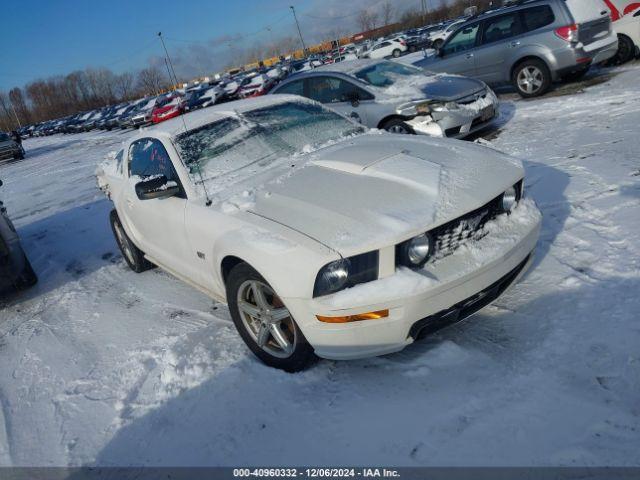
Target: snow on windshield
x,y
397,80
246,147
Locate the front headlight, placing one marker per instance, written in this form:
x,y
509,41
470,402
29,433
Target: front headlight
x,y
511,197
346,272
415,252
412,109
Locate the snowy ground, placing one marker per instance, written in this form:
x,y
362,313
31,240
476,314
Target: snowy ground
x,y
99,365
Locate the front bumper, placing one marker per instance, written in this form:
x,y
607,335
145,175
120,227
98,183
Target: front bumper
x,y
458,122
449,283
9,153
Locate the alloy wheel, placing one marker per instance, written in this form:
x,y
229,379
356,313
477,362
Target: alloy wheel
x,y
530,79
397,128
266,319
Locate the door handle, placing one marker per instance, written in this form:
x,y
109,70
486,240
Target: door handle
x,y
469,55
515,44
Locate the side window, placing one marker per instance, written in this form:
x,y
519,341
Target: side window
x,y
293,88
537,17
148,157
462,40
334,90
501,27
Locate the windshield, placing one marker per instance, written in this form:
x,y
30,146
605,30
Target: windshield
x,y
384,74
251,142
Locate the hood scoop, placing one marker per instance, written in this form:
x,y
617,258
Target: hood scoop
x,y
355,157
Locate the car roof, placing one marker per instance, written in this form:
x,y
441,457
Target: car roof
x,y
347,67
506,9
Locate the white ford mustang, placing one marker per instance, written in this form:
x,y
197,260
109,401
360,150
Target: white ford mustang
x,y
324,238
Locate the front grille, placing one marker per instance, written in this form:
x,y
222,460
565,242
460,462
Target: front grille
x,y
451,235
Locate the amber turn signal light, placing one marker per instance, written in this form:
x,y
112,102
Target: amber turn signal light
x,y
355,318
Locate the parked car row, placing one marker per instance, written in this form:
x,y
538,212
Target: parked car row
x,y
529,44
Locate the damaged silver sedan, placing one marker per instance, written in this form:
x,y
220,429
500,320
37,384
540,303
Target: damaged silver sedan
x,y
398,98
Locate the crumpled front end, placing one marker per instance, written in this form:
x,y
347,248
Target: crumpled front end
x,y
460,118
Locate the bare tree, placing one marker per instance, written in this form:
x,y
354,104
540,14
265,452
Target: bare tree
x,y
124,85
387,13
364,20
19,105
152,80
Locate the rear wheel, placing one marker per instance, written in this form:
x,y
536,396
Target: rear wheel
x,y
531,78
132,254
264,323
437,44
396,53
626,50
396,125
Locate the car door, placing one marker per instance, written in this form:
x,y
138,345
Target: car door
x,y
499,37
157,226
343,96
457,55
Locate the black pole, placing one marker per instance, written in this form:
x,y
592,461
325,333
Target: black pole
x,y
304,48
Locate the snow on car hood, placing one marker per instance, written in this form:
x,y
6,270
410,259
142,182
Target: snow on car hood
x,y
432,86
374,190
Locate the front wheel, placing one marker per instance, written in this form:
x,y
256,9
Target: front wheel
x,y
396,53
531,78
264,322
437,44
132,254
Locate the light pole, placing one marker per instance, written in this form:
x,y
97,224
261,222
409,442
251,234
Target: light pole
x,y
304,49
175,79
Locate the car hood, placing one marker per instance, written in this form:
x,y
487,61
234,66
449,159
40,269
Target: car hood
x,y
379,189
430,86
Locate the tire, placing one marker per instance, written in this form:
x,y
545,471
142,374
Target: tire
x,y
132,254
27,278
258,334
412,48
626,50
531,78
437,44
396,53
396,125
574,76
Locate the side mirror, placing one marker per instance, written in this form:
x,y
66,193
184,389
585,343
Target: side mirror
x,y
156,187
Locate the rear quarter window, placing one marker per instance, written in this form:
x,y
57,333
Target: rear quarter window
x,y
537,17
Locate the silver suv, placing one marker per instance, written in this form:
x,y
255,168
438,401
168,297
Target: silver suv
x,y
530,44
